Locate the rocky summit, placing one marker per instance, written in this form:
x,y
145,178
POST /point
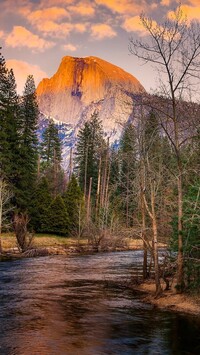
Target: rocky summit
x,y
82,86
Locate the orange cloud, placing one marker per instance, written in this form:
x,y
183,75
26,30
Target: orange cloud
x,y
165,2
50,28
80,27
82,9
45,21
69,47
22,70
1,34
50,22
192,12
134,24
49,14
124,6
101,31
21,37
194,2
49,3
60,30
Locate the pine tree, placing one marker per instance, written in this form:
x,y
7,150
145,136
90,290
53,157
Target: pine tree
x,y
128,170
3,98
74,202
51,144
58,219
88,151
39,206
28,146
50,150
9,124
3,92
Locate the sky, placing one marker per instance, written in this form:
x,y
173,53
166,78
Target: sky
x,y
36,34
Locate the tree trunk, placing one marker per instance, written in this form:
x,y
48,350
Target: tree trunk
x,y
180,259
1,249
106,204
155,243
70,164
85,174
127,199
144,240
98,188
143,213
1,213
88,201
38,167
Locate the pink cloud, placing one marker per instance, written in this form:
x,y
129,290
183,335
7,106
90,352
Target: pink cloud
x,y
22,70
134,24
51,22
1,34
165,2
101,31
192,12
21,37
48,14
82,9
69,47
124,6
50,28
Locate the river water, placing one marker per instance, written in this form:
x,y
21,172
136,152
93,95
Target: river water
x,y
78,306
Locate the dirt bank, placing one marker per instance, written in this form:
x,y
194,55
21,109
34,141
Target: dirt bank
x,y
169,299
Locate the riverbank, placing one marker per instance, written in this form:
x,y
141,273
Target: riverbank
x,y
169,300
54,245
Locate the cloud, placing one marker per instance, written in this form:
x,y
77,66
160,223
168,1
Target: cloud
x,y
165,2
60,30
134,24
69,47
1,34
124,6
80,27
51,22
82,9
50,28
21,37
194,2
22,70
49,14
46,21
101,31
49,3
192,12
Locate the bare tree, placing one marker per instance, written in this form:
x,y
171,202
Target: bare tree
x,y
174,48
5,208
20,226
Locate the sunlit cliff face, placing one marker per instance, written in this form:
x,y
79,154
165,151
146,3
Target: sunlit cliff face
x,y
83,85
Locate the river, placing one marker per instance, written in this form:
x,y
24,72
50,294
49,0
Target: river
x,y
78,305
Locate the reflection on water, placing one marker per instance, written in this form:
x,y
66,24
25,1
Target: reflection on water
x,y
58,305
